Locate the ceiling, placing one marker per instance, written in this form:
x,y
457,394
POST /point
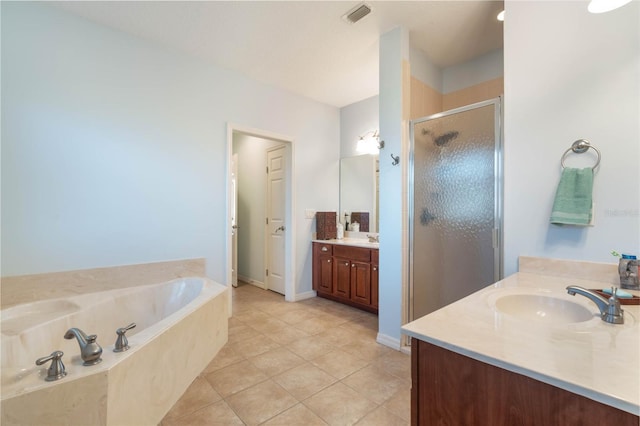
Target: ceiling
x,y
304,46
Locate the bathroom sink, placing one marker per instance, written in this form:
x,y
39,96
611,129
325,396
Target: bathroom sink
x,y
548,309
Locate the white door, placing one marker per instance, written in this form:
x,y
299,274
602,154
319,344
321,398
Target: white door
x,y
234,220
276,197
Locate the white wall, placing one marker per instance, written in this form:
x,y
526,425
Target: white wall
x,y
355,120
483,68
570,74
252,184
114,148
394,49
425,71
358,187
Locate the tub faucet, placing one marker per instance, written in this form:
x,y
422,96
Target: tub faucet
x,y
122,344
56,369
90,350
610,310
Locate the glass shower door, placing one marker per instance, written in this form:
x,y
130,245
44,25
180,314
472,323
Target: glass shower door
x,y
455,208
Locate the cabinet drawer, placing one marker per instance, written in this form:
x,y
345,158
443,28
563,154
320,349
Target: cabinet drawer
x,y
353,253
374,256
320,248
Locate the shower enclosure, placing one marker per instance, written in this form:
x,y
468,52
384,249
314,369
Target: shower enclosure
x,y
455,205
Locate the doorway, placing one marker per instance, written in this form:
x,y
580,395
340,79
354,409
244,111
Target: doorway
x,y
260,219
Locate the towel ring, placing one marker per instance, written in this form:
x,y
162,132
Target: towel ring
x,y
581,146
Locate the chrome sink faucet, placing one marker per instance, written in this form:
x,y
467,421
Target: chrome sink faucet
x,y
610,310
373,238
90,350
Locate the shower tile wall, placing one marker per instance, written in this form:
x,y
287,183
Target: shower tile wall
x,y
469,95
426,100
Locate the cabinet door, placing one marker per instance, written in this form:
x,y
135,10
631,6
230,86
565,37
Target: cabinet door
x,y
361,282
325,273
342,277
374,286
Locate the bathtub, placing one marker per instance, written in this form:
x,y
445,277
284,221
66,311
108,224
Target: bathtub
x,y
181,325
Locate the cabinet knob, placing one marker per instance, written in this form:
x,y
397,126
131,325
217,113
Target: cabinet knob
x,y
328,260
346,263
353,266
375,269
325,249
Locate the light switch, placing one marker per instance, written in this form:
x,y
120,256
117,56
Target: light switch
x,y
309,213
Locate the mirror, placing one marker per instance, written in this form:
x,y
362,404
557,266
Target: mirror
x,y
359,178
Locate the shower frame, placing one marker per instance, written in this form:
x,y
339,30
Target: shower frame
x,y
498,239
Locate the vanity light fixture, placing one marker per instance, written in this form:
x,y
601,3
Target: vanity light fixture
x,y
370,143
500,16
601,6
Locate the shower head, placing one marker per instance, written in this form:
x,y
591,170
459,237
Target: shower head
x,y
443,139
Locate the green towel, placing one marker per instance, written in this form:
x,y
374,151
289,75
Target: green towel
x,y
573,202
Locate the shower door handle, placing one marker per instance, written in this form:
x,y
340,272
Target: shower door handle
x,y
280,228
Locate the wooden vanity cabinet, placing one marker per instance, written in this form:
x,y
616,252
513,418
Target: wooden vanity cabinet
x,y
374,278
342,278
361,283
352,275
452,389
323,268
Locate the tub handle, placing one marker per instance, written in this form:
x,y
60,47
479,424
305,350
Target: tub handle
x,y
56,369
122,344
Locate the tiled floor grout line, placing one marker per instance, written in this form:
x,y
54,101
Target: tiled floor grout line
x,y
250,304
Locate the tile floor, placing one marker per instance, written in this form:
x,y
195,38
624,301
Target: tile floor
x,y
314,362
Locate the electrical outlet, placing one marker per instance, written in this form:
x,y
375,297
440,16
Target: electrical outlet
x,y
309,213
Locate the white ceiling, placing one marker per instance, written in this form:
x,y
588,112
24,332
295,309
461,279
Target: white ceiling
x,y
304,46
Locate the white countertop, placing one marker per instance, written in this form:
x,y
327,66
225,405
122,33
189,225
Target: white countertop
x,y
357,242
592,358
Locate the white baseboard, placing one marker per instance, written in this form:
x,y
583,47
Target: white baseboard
x,y
252,282
389,341
305,295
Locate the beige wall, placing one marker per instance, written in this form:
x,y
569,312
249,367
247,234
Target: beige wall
x,y
469,95
426,100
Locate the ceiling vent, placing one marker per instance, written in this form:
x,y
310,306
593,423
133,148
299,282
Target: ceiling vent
x,y
357,13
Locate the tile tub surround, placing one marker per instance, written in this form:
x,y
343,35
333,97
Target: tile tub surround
x,y
294,364
30,288
594,359
168,348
